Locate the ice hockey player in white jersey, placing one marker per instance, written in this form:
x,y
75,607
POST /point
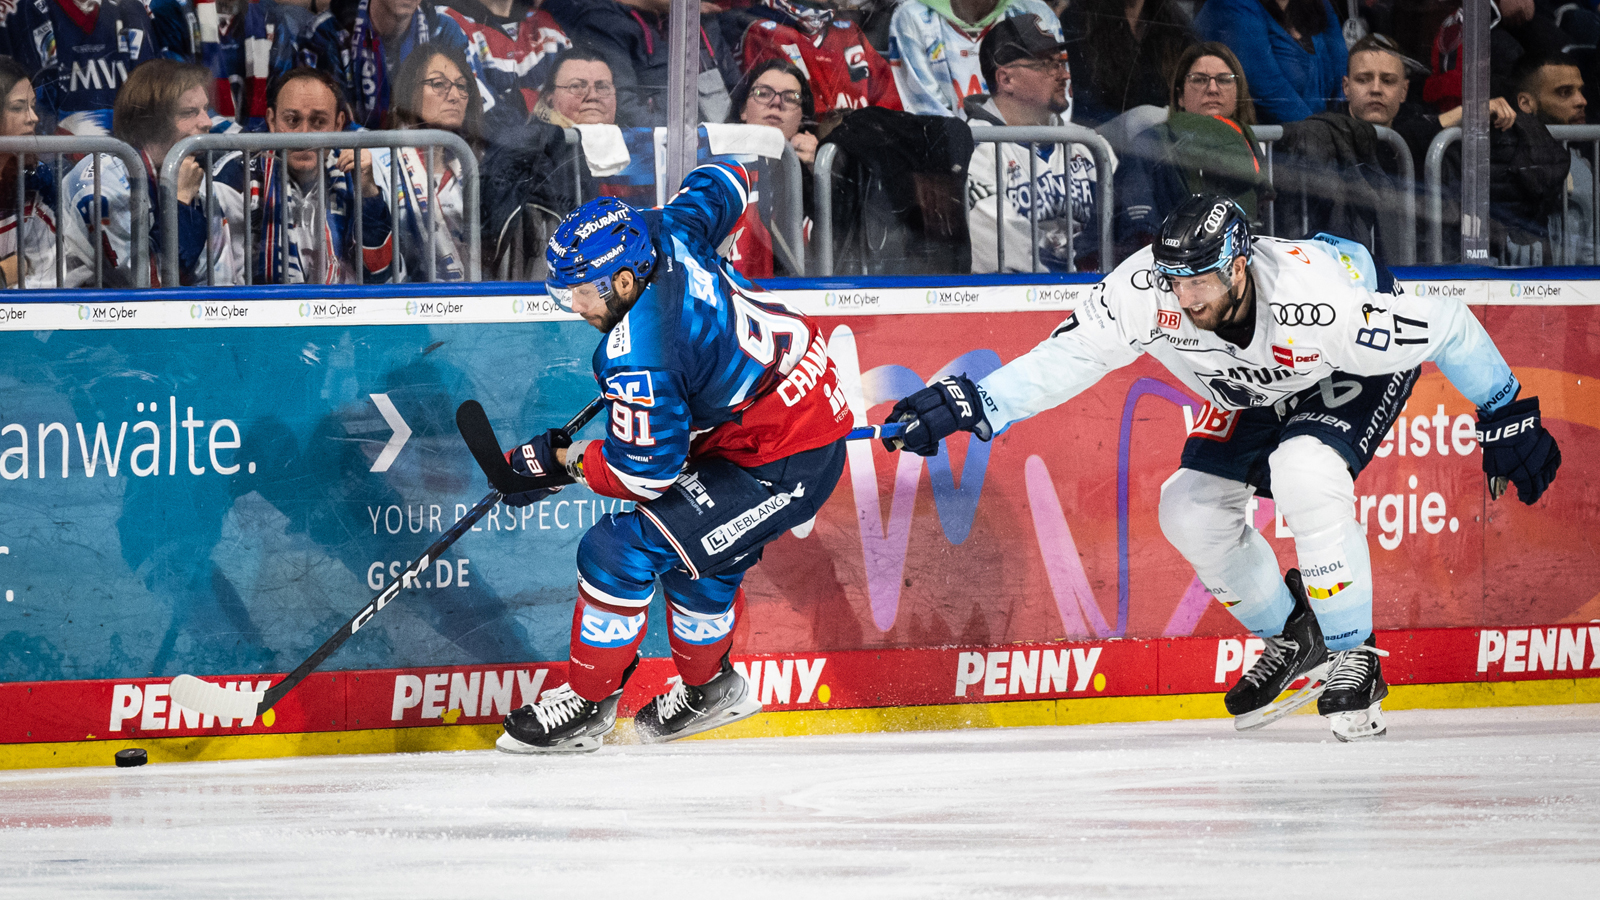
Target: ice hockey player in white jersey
x,y
1305,352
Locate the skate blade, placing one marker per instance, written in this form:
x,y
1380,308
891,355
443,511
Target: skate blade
x,y
1361,725
744,709
1316,681
586,744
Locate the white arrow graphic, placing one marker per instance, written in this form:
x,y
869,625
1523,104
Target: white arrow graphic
x,y
402,432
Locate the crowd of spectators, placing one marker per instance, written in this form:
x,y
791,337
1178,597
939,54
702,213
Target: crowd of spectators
x,y
1176,87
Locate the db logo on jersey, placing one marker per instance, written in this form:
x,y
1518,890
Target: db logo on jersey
x,y
1212,423
1169,319
1295,359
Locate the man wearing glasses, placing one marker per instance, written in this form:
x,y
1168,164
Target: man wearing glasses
x,y
1026,66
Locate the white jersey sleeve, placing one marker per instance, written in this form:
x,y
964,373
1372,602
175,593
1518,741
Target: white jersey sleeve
x,y
1398,331
1091,342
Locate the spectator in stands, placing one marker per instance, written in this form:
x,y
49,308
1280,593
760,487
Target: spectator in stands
x,y
845,72
363,53
1521,26
34,259
1028,70
1295,51
433,88
512,44
318,239
80,54
216,35
1124,52
579,90
778,95
1550,87
933,49
632,36
161,103
1205,146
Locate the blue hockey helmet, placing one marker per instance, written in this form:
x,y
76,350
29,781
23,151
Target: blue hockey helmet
x,y
1202,235
592,244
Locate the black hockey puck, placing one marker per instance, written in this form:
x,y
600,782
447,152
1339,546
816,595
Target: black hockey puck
x,y
133,756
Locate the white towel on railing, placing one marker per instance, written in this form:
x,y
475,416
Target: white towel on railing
x,y
604,149
757,140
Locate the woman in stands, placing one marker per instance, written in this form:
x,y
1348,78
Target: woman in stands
x,y
433,88
578,91
1296,52
35,255
776,94
161,103
1205,146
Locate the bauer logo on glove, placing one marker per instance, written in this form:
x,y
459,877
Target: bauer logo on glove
x,y
1518,450
949,405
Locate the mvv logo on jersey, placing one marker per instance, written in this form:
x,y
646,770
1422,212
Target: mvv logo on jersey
x,y
1170,319
602,628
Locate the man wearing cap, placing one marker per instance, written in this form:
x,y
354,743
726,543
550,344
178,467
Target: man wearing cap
x,y
934,47
1025,65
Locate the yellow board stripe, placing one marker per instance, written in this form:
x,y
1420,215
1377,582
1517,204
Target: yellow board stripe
x,y
1073,711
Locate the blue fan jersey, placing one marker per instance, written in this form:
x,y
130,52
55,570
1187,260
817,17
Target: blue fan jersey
x,y
700,366
76,70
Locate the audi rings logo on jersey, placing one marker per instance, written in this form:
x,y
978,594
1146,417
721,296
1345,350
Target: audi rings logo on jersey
x,y
1150,280
1303,313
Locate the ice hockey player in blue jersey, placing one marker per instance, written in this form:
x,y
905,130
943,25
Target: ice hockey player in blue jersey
x,y
1305,353
726,427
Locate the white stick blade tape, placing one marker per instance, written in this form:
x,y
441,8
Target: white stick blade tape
x,y
204,697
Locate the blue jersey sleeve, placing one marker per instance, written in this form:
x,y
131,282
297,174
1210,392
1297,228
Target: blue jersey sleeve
x,y
709,204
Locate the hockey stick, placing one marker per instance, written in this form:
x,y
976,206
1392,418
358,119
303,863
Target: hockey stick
x,y
887,431
211,699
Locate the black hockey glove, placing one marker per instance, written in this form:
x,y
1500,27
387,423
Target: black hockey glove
x,y
537,460
1516,448
939,410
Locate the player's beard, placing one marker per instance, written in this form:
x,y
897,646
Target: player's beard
x,y
1222,313
616,308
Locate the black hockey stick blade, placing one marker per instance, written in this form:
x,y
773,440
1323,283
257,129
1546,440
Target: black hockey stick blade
x,y
473,423
213,699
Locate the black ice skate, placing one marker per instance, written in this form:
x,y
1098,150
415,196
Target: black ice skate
x,y
1298,651
688,709
1353,700
561,722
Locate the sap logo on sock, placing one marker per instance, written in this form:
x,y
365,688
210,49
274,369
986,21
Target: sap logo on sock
x,y
694,629
1559,649
608,629
775,681
149,704
1005,673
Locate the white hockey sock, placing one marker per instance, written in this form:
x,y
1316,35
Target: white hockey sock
x,y
1337,570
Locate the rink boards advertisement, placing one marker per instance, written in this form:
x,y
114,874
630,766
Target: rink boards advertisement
x,y
214,486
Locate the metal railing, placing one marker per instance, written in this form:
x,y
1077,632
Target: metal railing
x,y
138,201
1268,135
322,142
1433,177
828,156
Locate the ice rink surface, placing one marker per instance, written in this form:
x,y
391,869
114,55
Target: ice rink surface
x,y
1459,803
